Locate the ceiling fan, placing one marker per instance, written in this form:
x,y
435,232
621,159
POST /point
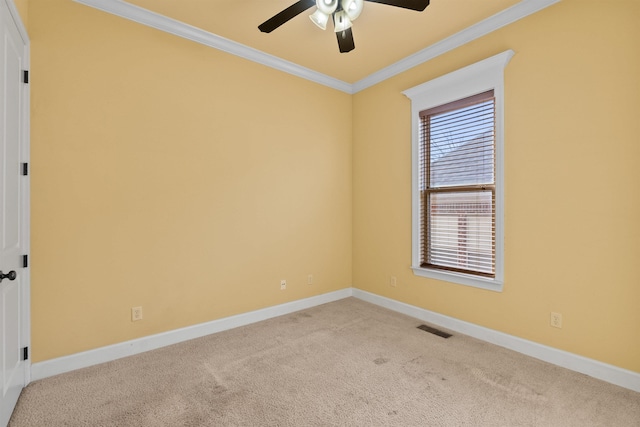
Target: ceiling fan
x,y
344,12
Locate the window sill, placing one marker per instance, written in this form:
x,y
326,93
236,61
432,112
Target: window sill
x,y
460,278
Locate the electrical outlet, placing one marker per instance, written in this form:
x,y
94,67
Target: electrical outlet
x,y
393,282
310,279
556,320
136,314
283,285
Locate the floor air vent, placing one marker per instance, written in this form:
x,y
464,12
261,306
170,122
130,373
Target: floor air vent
x,y
434,331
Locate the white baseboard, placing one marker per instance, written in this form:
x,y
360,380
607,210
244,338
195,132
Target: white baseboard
x,y
574,362
84,359
602,371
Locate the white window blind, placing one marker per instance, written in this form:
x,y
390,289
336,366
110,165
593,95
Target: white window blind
x,y
457,186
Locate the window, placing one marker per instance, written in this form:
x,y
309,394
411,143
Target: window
x,y
458,184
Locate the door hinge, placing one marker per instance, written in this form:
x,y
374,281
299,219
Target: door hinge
x,y
25,76
25,261
25,353
25,169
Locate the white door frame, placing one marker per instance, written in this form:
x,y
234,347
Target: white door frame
x,y
25,154
25,190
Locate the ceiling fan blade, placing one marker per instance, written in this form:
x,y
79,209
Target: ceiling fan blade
x,y
282,17
345,41
418,5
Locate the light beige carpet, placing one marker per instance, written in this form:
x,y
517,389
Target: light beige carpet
x,y
347,363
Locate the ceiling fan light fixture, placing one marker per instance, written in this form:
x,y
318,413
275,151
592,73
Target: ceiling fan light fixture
x,y
327,6
343,13
353,8
341,21
320,19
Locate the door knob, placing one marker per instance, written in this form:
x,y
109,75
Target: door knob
x,y
10,275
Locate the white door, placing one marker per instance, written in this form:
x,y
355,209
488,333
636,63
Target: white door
x,y
14,296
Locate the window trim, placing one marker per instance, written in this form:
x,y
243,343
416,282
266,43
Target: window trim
x,y
476,78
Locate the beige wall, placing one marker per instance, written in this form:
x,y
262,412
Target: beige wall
x,y
188,181
174,177
572,200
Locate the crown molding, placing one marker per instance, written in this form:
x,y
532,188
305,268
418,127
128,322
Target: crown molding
x,y
482,28
160,22
180,29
